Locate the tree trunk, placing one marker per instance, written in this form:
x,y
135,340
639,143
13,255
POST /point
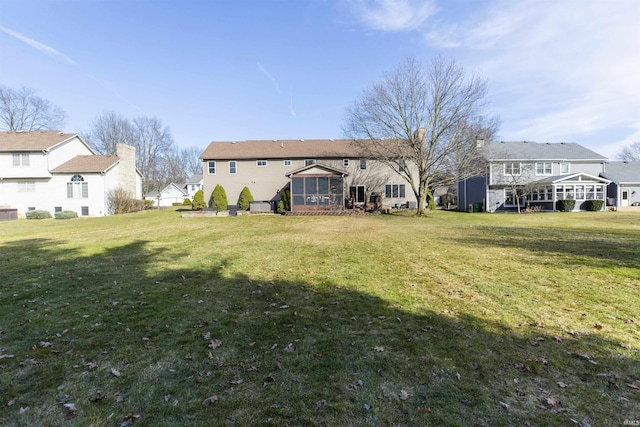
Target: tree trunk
x,y
422,203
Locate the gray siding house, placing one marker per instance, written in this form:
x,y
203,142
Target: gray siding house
x,y
624,189
523,174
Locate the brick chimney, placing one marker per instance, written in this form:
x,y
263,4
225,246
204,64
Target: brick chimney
x,y
127,168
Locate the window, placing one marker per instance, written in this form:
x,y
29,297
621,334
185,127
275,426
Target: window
x,y
20,159
26,186
510,197
580,192
363,164
308,162
543,168
287,162
233,167
345,163
394,191
565,168
261,163
512,168
77,188
57,209
212,167
84,210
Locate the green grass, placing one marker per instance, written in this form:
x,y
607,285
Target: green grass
x,y
453,319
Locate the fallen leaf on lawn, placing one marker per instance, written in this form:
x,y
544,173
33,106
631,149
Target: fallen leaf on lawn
x,y
367,406
23,410
561,384
280,366
11,402
290,348
635,384
320,404
215,344
274,346
252,369
92,366
209,400
129,419
119,398
236,381
209,355
44,344
625,345
269,380
115,372
424,409
284,307
504,405
553,402
379,349
207,336
403,395
598,326
70,406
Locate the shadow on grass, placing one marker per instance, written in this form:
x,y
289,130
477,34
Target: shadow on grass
x,y
113,335
583,246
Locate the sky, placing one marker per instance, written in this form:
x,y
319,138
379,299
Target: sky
x,y
233,70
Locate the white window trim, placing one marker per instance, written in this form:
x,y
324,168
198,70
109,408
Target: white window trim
x,y
568,168
266,163
209,167
235,163
504,168
345,163
26,186
287,163
544,173
363,164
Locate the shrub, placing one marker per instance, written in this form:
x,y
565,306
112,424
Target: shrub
x,y
198,201
565,205
284,204
186,201
177,204
120,201
219,198
245,199
594,205
66,215
431,202
37,214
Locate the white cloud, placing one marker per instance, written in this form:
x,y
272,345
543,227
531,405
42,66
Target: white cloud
x,y
47,50
393,15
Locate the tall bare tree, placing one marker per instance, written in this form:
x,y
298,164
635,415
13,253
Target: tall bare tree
x,y
22,109
108,130
419,118
630,153
153,144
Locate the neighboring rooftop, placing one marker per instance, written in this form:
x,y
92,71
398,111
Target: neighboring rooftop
x,y
527,150
87,164
32,141
623,172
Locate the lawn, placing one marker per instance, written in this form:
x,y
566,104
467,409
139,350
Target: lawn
x,y
455,319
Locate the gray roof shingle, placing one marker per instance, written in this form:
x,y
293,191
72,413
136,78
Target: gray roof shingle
x,y
623,172
527,150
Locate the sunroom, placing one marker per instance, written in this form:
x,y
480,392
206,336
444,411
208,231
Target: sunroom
x,y
580,187
317,188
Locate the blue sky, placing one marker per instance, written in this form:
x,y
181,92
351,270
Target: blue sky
x,y
558,71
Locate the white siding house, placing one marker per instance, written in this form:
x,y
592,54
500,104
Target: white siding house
x,y
56,171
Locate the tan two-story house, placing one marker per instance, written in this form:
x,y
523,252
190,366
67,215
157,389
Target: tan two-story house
x,y
314,170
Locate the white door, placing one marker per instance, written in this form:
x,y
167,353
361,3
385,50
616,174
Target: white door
x,y
625,198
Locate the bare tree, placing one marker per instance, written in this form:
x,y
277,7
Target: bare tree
x,y
190,159
108,130
630,153
153,144
23,110
418,118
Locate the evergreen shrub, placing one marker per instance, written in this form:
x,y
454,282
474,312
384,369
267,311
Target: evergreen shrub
x,y
594,205
565,205
198,201
219,199
66,215
245,199
37,214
